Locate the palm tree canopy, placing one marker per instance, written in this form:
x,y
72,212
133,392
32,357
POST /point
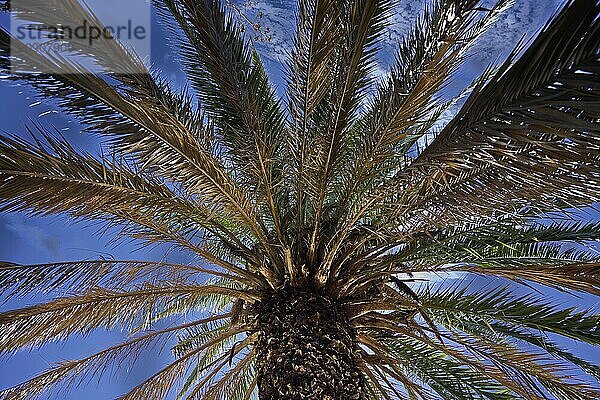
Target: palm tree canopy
x,y
342,194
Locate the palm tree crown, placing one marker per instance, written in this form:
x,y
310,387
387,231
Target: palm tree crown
x,y
313,214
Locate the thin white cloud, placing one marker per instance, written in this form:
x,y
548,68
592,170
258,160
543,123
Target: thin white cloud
x,y
525,17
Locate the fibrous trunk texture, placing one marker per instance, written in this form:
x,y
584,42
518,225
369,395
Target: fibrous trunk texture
x,y
306,350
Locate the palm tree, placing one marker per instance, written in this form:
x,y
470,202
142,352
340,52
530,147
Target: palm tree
x,y
316,217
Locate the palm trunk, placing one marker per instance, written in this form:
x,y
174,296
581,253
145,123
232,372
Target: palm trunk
x,y
306,350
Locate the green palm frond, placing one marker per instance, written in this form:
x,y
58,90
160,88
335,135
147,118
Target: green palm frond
x,y
355,38
548,374
404,106
231,81
497,330
508,233
197,336
502,304
513,248
583,277
497,370
241,386
518,136
446,376
317,30
230,381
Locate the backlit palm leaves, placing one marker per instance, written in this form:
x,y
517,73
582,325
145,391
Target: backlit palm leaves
x,y
326,189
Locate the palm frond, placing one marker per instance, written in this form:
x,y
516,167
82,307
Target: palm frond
x,y
446,376
316,37
98,307
499,331
355,39
513,248
508,365
554,377
197,336
503,305
159,385
19,280
519,141
583,277
141,125
232,383
405,102
399,111
231,81
54,178
317,28
74,372
505,233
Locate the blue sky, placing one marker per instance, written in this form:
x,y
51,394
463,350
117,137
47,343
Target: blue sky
x,y
47,239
